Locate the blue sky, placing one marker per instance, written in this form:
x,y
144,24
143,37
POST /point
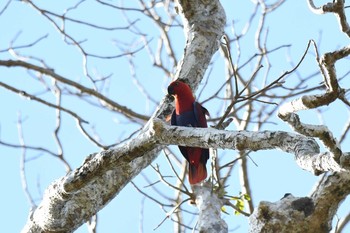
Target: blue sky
x,y
276,174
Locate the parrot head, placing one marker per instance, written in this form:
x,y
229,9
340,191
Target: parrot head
x,y
179,89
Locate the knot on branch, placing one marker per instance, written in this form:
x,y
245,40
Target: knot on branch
x,y
304,204
287,215
307,146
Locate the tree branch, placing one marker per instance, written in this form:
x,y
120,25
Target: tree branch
x,y
337,7
287,112
112,105
80,191
303,214
305,149
73,199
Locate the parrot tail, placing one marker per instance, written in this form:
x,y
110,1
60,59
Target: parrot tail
x,y
197,173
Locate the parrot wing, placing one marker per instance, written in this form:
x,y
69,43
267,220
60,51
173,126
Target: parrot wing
x,y
199,113
197,157
173,118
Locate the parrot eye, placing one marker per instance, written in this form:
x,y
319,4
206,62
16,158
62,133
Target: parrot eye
x,y
176,83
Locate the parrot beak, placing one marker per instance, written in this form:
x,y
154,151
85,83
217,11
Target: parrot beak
x,y
171,90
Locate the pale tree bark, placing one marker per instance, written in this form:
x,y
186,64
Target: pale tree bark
x,y
314,213
299,213
74,199
303,214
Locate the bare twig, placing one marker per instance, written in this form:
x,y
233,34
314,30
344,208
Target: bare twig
x,y
32,97
23,162
104,100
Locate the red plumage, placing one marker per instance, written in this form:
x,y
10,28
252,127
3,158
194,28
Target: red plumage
x,y
191,114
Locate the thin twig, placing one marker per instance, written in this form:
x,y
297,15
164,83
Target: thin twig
x,y
32,97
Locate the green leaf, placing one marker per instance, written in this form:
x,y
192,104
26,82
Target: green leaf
x,y
246,197
223,209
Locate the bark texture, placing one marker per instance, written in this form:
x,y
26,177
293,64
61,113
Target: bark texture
x,y
303,214
72,200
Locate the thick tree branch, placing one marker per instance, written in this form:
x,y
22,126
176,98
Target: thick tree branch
x,y
287,112
207,18
209,206
72,200
305,149
75,198
303,214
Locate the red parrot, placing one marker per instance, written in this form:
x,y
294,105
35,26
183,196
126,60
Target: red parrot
x,y
190,113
